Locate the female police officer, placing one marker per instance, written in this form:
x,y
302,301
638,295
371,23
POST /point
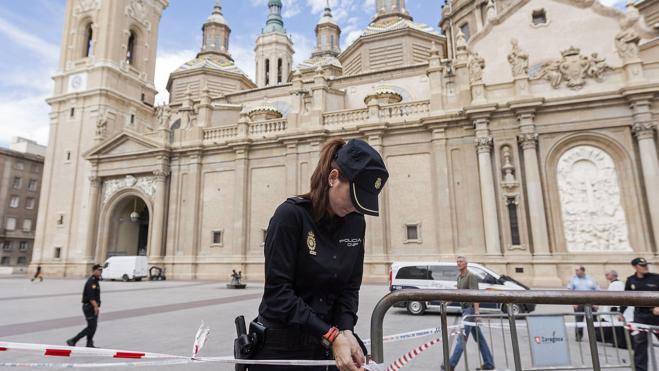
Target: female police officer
x,y
314,252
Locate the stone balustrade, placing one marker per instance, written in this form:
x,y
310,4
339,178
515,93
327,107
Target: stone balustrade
x,y
265,128
220,133
404,110
340,118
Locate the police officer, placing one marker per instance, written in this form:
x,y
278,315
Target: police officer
x,y
91,304
314,254
642,280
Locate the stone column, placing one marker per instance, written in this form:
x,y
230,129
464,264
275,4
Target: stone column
x,y
488,195
92,216
240,202
443,218
376,226
644,130
528,140
156,248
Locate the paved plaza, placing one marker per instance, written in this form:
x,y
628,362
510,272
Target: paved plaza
x,y
163,317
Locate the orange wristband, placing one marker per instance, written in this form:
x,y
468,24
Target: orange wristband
x,y
331,334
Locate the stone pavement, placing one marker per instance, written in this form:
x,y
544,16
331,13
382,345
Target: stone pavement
x,y
163,317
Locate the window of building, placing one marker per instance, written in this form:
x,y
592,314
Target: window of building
x,y
217,237
6,246
513,221
267,72
27,225
130,48
279,70
72,112
4,260
539,17
60,219
226,43
20,165
17,182
11,224
23,246
68,156
332,42
29,203
465,30
32,185
89,37
14,202
412,232
57,253
22,260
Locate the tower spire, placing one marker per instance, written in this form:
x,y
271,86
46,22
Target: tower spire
x,y
216,35
275,22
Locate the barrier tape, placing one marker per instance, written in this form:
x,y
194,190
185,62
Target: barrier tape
x,y
409,356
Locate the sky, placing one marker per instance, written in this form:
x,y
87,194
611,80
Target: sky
x,y
31,31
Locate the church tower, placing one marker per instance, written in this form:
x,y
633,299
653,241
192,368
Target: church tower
x,y
328,34
216,37
104,84
274,50
389,9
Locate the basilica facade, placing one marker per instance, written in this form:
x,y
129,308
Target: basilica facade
x,y
523,135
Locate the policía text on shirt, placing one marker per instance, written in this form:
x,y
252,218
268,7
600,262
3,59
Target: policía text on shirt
x,y
350,242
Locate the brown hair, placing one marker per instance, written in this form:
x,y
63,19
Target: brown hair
x,y
319,188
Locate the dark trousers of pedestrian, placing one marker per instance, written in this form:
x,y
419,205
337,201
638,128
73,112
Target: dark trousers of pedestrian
x,y
90,330
291,344
578,320
640,341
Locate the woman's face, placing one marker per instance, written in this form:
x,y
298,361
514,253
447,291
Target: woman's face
x,y
339,195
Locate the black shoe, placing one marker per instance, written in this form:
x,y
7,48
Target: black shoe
x,y
90,345
487,368
70,342
450,368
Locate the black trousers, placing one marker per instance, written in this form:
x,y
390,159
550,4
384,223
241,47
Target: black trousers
x,y
291,343
90,330
578,331
640,340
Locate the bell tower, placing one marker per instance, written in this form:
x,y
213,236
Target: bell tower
x,y
274,50
104,83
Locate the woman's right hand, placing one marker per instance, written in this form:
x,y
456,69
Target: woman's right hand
x,y
347,353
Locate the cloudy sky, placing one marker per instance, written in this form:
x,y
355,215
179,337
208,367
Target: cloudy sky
x,y
30,33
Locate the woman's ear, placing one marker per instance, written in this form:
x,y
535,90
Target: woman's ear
x,y
333,177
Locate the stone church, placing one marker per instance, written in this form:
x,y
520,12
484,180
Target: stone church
x,y
523,135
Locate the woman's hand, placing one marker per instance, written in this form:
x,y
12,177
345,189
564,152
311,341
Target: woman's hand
x,y
347,352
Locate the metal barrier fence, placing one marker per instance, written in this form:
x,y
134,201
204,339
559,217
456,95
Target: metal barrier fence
x,y
555,297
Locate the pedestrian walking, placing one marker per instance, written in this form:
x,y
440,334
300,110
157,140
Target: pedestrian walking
x,y
580,282
91,305
37,275
642,280
314,254
470,312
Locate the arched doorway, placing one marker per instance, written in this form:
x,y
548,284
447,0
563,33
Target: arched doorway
x,y
128,228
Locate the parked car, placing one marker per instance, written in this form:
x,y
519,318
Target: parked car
x,y
125,268
443,275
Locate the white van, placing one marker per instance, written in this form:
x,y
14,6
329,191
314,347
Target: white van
x,y
125,268
443,275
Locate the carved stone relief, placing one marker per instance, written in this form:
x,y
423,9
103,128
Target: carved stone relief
x,y
518,59
146,184
476,66
573,68
593,217
138,10
508,179
85,6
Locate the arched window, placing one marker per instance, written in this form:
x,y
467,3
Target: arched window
x,y
130,48
279,71
226,43
267,72
89,37
332,42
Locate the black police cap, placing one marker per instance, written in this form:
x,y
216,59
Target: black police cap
x,y
365,169
639,261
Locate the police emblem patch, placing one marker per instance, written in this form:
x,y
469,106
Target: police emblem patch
x,y
633,287
311,243
93,286
378,183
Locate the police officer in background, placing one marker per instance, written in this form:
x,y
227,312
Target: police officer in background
x,y
642,280
314,254
91,304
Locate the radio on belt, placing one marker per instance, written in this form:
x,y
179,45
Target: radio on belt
x,y
245,345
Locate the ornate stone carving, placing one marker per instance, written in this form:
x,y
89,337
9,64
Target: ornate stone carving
x,y
508,180
94,180
101,123
145,184
593,217
84,6
138,10
573,68
476,65
528,140
490,11
626,42
161,174
644,130
460,42
484,144
163,114
518,59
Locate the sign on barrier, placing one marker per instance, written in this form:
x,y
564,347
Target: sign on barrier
x,y
549,341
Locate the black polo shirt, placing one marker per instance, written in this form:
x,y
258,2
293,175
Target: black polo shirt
x,y
649,282
92,291
313,271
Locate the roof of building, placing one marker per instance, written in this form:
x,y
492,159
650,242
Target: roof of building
x,y
398,23
203,62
